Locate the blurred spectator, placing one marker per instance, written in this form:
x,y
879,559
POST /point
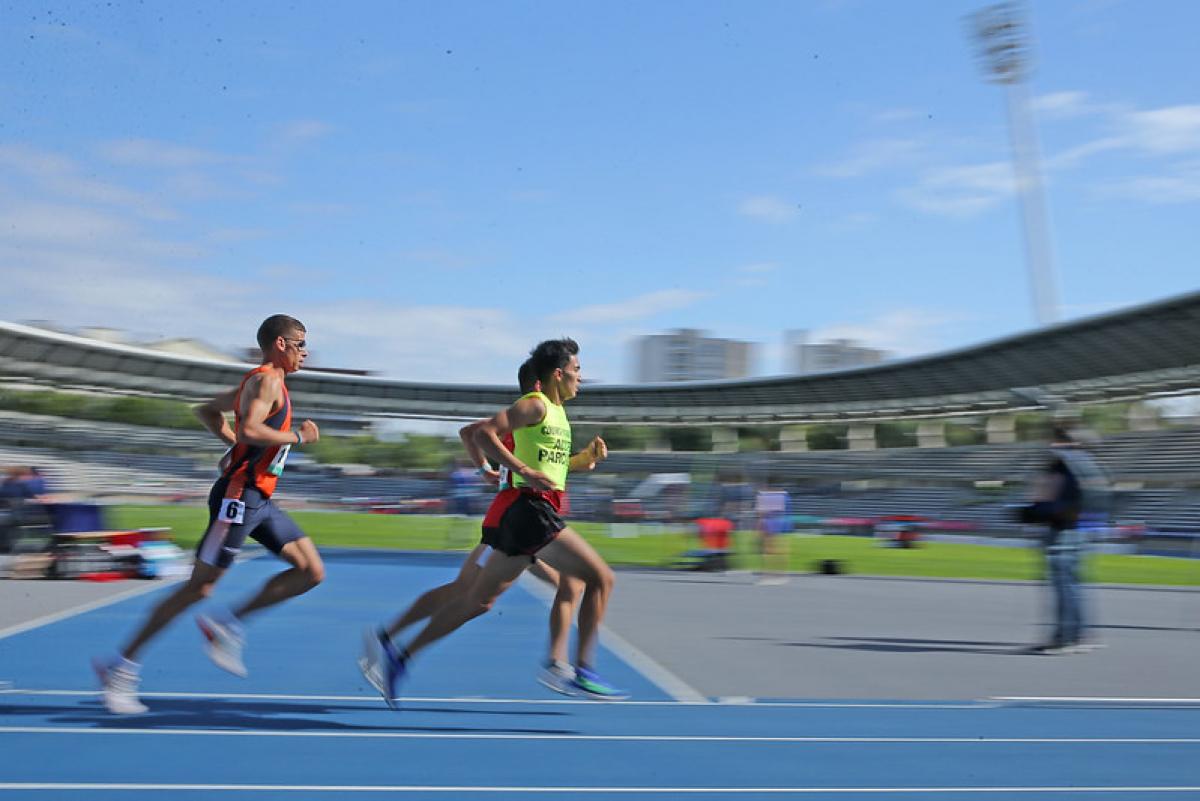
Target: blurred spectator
x,y
24,526
1071,499
712,552
771,506
23,484
464,485
37,484
736,501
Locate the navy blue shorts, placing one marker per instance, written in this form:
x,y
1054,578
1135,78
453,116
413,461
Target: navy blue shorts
x,y
259,519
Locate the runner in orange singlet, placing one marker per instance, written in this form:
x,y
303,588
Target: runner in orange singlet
x,y
239,506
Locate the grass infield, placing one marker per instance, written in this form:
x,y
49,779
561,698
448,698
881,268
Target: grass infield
x,y
652,547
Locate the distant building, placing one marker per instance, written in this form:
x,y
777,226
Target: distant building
x,y
835,354
687,354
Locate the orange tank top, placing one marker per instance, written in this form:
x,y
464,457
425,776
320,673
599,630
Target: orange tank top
x,y
256,465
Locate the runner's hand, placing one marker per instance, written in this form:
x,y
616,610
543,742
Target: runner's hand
x,y
597,451
226,458
490,477
310,432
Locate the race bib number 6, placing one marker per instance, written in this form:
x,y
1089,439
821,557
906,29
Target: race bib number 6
x,y
232,511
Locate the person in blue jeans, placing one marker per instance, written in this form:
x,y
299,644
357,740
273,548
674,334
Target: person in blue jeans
x,y
1072,502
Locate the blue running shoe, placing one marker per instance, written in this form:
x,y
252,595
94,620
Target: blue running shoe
x,y
395,666
589,683
381,664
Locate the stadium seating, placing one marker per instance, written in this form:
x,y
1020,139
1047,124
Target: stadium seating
x,y
976,486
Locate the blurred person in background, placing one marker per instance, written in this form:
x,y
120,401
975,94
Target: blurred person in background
x,y
557,670
771,507
1071,499
38,488
22,484
239,506
462,485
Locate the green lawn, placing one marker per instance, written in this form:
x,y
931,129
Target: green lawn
x,y
859,555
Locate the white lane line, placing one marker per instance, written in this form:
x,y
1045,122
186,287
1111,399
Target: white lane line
x,y
622,738
666,681
467,699
413,788
1083,699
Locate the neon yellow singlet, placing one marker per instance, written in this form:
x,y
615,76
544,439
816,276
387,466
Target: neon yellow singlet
x,y
545,446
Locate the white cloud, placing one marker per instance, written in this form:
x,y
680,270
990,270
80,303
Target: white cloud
x,y
60,225
768,208
1170,130
305,130
635,308
1067,104
161,155
966,190
53,175
960,191
1075,155
87,286
754,275
419,343
903,332
1181,186
872,156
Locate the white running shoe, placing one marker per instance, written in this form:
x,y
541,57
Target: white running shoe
x,y
120,686
225,643
559,677
370,662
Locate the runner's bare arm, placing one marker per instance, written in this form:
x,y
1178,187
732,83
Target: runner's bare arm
x,y
525,412
587,459
212,416
260,395
467,435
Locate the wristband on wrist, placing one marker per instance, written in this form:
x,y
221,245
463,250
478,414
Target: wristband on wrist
x,y
299,437
479,471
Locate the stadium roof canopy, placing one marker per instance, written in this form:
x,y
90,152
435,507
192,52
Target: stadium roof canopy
x,y
1133,353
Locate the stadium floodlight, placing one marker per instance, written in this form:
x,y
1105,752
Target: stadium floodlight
x,y
1002,33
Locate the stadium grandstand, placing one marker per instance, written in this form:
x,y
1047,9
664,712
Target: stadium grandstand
x,y
1146,351
1135,354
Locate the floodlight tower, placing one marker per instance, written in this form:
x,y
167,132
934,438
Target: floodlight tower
x,y
1003,37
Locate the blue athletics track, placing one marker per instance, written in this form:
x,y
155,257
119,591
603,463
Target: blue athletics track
x,y
474,724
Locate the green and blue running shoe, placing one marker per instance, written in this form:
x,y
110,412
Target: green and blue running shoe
x,y
588,682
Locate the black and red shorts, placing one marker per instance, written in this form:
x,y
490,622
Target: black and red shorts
x,y
522,521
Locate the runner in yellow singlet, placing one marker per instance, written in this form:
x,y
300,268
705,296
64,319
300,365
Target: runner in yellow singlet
x,y
524,523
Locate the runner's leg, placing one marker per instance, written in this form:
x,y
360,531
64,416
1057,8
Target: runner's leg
x,y
198,587
573,556
306,571
497,576
426,605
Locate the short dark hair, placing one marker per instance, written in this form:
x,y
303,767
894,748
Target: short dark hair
x,y
551,355
277,325
526,378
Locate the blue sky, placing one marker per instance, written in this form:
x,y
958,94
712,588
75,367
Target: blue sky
x,y
433,187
